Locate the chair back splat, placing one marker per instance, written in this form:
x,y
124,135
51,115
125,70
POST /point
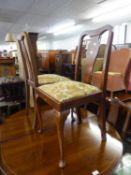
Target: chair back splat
x,y
30,59
64,95
26,74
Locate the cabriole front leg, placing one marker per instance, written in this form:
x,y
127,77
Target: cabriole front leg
x,y
27,94
38,114
60,120
101,119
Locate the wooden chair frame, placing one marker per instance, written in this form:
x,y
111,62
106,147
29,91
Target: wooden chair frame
x,y
61,107
26,76
28,67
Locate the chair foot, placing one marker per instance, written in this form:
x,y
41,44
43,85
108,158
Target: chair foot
x,y
39,131
73,120
72,116
103,136
79,121
62,163
78,115
27,113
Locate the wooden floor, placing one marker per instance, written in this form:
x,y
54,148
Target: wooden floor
x,y
24,152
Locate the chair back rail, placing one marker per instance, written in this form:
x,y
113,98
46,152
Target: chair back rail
x,y
23,59
30,59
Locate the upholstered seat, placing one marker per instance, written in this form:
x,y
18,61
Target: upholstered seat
x,y
66,90
50,78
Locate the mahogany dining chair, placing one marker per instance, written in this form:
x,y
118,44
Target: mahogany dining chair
x,y
42,79
64,95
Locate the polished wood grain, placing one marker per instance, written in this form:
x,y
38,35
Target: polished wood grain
x,y
24,152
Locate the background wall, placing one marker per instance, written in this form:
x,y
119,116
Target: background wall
x,y
122,33
54,43
128,36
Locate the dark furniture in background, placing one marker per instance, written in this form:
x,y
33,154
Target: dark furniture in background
x,y
61,59
53,61
46,60
7,67
12,95
11,87
68,70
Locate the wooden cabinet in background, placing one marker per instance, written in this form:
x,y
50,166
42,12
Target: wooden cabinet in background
x,y
7,60
47,60
43,61
7,67
62,58
52,60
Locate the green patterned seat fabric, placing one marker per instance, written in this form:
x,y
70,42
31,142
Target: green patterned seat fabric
x,y
62,91
124,167
50,78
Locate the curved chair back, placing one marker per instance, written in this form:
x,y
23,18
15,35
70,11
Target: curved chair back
x,y
29,58
92,41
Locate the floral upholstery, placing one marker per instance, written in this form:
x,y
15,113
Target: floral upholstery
x,y
50,78
66,90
